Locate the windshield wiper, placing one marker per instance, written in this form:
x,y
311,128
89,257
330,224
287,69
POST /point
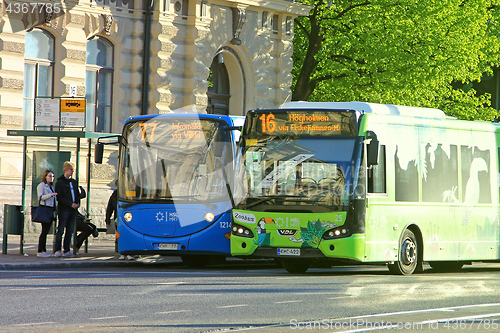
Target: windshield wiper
x,y
271,197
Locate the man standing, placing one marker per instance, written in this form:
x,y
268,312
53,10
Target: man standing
x,y
68,198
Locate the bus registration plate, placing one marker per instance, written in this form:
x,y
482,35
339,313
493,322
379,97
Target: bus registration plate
x,y
288,252
168,246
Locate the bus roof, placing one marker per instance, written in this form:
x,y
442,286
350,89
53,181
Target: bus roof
x,y
362,107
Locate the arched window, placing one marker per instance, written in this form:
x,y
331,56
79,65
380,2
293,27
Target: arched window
x,y
99,85
38,72
218,87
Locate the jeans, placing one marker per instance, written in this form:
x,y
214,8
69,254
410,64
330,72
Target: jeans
x,y
67,220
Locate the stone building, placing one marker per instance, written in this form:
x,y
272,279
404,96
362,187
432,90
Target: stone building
x,y
220,56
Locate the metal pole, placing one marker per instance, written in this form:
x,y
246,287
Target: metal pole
x,y
146,56
497,95
25,153
89,156
77,168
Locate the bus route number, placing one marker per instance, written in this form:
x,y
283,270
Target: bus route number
x,y
145,126
268,124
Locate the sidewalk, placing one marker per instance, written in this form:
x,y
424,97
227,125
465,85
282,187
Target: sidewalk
x,y
101,253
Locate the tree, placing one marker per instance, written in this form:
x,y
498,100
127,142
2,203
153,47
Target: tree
x,y
397,51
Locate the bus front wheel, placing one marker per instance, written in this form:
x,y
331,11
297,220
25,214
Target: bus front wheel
x,y
296,266
408,255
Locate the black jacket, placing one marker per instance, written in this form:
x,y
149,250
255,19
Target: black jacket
x,y
63,190
111,208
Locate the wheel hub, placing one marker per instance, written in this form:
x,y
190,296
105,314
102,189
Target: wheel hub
x,y
409,252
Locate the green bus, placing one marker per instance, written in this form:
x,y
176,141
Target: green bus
x,y
367,183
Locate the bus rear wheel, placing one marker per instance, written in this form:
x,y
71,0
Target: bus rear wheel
x,y
408,255
296,266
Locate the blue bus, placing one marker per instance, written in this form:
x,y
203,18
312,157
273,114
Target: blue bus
x,y
175,185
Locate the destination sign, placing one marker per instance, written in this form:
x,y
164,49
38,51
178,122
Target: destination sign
x,y
161,130
175,130
300,123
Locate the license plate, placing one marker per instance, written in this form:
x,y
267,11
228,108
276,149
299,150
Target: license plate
x,y
288,252
168,246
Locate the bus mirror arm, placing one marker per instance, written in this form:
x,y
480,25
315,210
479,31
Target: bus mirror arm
x,y
231,128
99,147
224,175
372,148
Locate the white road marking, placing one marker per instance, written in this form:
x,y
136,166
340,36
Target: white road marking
x,y
29,288
282,302
104,318
231,306
33,324
168,312
337,297
451,308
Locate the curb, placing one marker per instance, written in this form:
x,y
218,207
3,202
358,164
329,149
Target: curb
x,y
84,264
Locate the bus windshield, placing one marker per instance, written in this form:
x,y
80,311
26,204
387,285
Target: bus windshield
x,y
299,171
174,159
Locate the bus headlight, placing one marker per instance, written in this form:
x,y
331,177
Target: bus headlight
x,y
336,233
239,230
127,217
209,217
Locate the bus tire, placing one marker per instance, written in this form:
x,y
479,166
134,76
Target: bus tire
x,y
195,261
296,266
446,266
408,255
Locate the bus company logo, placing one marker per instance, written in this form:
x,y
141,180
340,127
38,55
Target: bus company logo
x,y
287,232
244,217
159,216
173,216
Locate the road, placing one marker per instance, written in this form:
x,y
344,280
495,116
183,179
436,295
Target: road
x,y
250,298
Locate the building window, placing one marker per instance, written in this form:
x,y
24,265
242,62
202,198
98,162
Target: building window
x,y
99,85
38,72
289,25
275,24
203,9
265,16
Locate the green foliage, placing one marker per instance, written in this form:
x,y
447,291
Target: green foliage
x,y
312,234
397,52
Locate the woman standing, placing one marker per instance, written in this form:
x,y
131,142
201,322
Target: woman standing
x,y
46,196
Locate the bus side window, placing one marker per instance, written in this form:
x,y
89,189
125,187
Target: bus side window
x,y
376,174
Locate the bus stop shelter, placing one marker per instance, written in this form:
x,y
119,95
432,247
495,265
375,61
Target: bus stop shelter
x,y
79,136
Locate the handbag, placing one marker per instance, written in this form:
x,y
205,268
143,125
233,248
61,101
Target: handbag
x,y
41,214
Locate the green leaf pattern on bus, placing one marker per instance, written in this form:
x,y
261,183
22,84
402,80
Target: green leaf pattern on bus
x,y
312,234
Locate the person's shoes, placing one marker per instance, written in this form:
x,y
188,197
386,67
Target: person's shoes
x,y
122,257
69,254
58,254
130,258
43,255
50,254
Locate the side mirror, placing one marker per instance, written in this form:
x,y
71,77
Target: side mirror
x,y
99,152
372,149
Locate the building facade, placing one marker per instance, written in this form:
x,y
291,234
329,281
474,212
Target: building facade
x,y
198,56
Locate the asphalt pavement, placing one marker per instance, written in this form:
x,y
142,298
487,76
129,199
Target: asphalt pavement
x,y
100,253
